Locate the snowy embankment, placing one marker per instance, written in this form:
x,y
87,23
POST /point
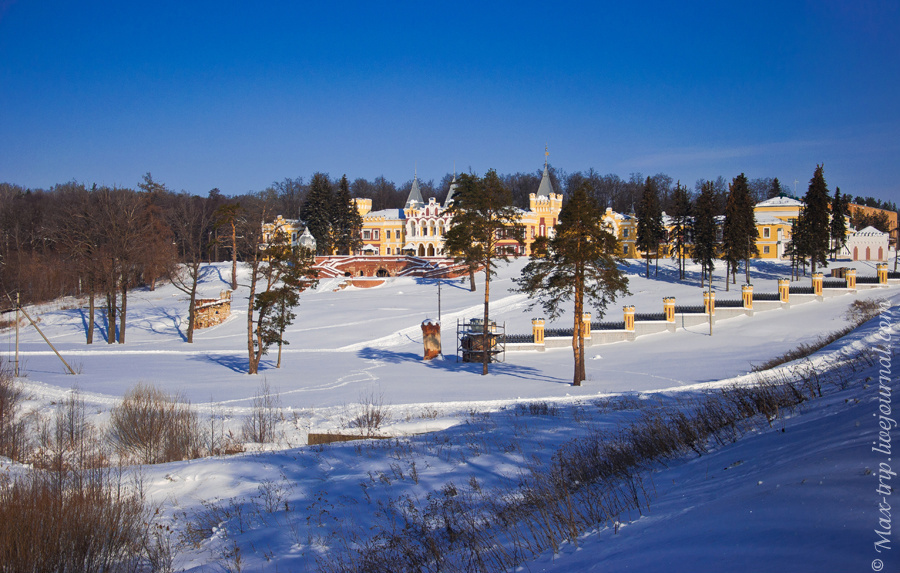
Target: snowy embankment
x,y
288,508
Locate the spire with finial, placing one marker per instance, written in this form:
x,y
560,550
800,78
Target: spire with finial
x,y
546,188
415,196
452,190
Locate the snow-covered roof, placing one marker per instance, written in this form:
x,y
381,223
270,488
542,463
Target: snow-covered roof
x,y
780,202
386,214
870,232
451,192
766,219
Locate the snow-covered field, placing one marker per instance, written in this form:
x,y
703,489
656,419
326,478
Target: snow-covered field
x,y
798,499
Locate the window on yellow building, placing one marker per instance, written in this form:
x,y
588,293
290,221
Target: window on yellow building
x,y
625,248
388,234
765,250
625,235
367,235
375,234
766,232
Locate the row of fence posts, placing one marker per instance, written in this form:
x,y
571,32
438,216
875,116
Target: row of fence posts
x,y
709,302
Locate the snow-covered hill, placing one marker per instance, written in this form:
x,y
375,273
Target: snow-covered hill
x,y
798,494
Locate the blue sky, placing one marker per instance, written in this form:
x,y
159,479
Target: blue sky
x,y
237,95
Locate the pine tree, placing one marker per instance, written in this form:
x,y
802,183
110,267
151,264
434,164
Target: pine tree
x,y
739,230
838,225
579,262
815,219
279,272
346,224
318,212
705,231
650,228
682,219
482,213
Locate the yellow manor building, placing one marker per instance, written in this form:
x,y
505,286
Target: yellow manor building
x,y
419,228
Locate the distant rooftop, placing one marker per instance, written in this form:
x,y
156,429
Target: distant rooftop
x,y
780,202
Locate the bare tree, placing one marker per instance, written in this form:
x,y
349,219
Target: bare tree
x,y
191,219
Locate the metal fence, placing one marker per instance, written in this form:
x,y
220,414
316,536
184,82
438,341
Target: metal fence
x,y
519,338
608,325
649,316
766,296
834,284
730,303
557,332
867,280
794,289
690,309
894,274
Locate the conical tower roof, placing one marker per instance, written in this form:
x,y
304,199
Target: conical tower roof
x,y
453,186
415,196
546,188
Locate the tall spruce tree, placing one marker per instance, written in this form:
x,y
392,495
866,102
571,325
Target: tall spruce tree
x,y
579,262
682,221
318,212
705,231
650,228
482,215
838,225
739,229
346,224
775,190
814,219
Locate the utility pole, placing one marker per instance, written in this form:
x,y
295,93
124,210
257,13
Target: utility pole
x,y
439,300
17,336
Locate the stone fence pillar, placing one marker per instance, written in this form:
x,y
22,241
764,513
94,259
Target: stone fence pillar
x,y
669,308
709,302
537,330
586,325
629,318
817,279
850,275
784,290
881,268
747,294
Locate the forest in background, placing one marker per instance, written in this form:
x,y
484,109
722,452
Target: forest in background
x,y
73,239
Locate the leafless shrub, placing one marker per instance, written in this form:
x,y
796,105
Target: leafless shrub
x,y
265,413
371,414
152,427
13,432
863,310
66,440
537,409
90,524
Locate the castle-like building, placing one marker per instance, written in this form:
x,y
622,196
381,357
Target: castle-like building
x,y
419,228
